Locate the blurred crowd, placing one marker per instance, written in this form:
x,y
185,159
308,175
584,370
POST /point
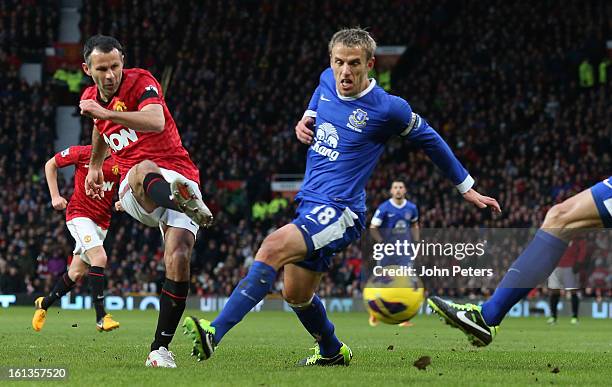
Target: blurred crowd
x,y
498,80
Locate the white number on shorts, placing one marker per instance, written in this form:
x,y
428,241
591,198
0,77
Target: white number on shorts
x,y
326,215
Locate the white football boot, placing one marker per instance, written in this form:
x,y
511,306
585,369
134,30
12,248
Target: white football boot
x,y
161,358
190,203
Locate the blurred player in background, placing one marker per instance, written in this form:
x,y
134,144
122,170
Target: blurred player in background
x,y
591,208
160,183
400,217
87,220
565,277
352,119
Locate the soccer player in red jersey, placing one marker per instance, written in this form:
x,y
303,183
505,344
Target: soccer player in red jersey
x,y
87,220
160,186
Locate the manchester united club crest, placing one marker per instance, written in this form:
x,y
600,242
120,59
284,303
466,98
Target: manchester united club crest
x,y
119,106
115,169
358,120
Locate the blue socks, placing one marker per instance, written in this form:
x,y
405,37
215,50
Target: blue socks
x,y
252,289
314,318
531,268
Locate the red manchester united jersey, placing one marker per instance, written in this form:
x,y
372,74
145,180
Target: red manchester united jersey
x,y
81,205
139,88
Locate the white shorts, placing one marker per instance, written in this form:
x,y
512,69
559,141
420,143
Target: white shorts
x,y
563,278
160,216
87,235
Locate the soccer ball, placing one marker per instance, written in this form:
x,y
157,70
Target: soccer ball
x,y
393,300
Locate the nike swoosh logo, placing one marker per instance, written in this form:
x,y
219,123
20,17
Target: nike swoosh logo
x,y
305,229
311,219
100,297
513,269
325,99
167,334
607,183
461,316
86,166
247,295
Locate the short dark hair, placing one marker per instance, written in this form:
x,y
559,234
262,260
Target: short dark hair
x,y
101,42
400,180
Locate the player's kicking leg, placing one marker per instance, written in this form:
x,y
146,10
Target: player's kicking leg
x,y
591,208
152,189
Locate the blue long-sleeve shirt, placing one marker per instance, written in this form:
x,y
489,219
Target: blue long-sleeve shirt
x,y
350,135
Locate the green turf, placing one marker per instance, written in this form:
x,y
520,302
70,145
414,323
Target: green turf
x,y
261,351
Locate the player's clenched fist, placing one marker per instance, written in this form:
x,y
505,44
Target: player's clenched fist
x,y
91,108
303,130
58,202
93,183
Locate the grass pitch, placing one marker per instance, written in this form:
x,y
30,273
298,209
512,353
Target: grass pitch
x,y
262,350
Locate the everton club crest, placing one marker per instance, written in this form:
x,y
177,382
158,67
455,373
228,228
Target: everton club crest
x,y
358,120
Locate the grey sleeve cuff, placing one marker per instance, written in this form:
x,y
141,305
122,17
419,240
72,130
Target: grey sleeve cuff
x,y
310,113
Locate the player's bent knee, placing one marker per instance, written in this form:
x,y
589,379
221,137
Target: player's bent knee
x,y
99,261
76,275
279,249
140,170
557,217
97,257
270,252
146,166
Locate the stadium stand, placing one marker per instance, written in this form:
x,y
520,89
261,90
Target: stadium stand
x,y
512,107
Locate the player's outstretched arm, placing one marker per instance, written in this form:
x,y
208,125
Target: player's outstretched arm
x,y
95,177
149,119
440,153
58,202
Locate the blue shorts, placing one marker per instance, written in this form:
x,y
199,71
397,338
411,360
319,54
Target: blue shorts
x,y
327,229
602,193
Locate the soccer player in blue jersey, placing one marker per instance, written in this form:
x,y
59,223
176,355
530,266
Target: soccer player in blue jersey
x,y
399,218
590,209
348,121
398,212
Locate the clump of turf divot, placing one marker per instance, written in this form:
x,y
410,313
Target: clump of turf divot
x,y
422,362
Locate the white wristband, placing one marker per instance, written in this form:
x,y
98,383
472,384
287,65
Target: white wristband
x,y
466,185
